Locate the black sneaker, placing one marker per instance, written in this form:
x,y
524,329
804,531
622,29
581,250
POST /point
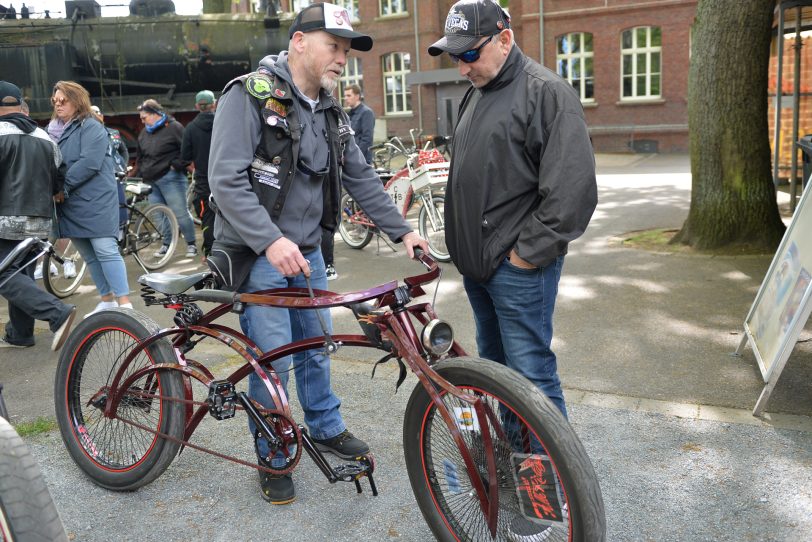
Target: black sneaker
x,y
345,445
277,489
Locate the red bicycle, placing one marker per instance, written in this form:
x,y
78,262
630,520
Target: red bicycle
x,y
488,456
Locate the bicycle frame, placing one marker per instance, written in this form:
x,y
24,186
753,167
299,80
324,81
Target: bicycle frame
x,y
389,326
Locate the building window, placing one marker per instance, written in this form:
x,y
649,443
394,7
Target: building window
x,y
641,49
393,7
350,5
352,75
397,94
574,56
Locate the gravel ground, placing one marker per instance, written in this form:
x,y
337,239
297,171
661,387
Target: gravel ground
x,y
663,479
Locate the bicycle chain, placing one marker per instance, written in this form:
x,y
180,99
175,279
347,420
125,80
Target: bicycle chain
x,y
264,411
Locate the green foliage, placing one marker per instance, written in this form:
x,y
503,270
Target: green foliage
x,y
37,427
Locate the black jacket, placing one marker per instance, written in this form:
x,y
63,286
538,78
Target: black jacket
x,y
522,171
28,168
160,150
195,148
362,120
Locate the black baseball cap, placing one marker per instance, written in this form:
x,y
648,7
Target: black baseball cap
x,y
10,94
332,19
469,21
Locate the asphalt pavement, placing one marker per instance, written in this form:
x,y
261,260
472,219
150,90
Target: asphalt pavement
x,y
644,342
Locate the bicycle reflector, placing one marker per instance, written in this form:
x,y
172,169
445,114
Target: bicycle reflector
x,y
437,337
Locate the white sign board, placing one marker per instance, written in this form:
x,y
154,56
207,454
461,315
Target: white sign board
x,y
782,305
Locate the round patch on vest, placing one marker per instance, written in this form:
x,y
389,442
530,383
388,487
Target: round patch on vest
x,y
258,85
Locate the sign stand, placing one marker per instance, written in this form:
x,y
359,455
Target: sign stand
x,y
782,305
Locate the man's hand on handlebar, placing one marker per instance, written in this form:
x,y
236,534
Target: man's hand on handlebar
x,y
286,258
412,240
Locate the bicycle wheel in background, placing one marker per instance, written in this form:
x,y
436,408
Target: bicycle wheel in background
x,y
113,453
355,235
431,225
62,279
547,488
153,228
27,511
190,202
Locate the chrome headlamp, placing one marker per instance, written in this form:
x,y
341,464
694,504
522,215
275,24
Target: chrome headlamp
x,y
437,337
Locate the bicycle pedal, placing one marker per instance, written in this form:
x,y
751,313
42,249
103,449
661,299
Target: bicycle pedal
x,y
222,399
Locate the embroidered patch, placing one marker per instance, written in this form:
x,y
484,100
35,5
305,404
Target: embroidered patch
x,y
258,86
279,93
344,129
277,107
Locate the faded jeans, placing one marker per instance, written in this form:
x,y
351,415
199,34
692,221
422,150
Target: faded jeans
x,y
171,191
513,312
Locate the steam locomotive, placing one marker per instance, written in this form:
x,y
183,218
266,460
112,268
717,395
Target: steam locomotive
x,y
152,53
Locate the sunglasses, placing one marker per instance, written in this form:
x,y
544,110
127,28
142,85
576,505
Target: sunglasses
x,y
58,101
471,55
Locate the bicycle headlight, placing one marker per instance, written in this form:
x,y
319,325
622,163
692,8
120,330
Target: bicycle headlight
x,y
437,337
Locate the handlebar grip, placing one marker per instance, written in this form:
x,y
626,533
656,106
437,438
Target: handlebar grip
x,y
216,296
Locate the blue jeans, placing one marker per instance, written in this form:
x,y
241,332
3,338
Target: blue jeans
x,y
513,312
272,327
171,191
105,264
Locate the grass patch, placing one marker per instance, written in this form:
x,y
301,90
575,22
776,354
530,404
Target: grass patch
x,y
37,427
656,240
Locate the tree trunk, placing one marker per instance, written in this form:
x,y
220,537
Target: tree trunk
x,y
733,201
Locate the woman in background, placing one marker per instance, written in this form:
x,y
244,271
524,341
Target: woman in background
x,y
88,206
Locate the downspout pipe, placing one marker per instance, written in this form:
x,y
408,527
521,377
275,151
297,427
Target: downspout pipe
x,y
417,67
541,32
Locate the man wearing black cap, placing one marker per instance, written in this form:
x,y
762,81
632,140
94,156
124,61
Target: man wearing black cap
x,y
521,187
28,181
281,148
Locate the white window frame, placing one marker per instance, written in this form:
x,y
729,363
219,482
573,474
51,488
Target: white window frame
x,y
386,9
579,57
634,51
405,92
352,75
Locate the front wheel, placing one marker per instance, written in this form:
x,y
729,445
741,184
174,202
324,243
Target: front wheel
x,y
62,279
547,488
154,236
112,451
27,511
431,225
354,234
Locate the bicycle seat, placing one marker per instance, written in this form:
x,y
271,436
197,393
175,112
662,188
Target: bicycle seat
x,y
137,188
171,283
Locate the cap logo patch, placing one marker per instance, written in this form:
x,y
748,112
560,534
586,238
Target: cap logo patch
x,y
336,17
456,22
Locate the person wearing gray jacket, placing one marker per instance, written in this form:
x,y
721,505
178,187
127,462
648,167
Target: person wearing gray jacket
x,y
281,149
521,187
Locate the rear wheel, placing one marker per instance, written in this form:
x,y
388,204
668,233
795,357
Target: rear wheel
x,y
431,225
62,279
27,511
155,227
354,234
547,488
113,452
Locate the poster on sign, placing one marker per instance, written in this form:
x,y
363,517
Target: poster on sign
x,y
782,305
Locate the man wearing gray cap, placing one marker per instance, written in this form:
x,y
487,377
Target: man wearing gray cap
x,y
521,187
281,149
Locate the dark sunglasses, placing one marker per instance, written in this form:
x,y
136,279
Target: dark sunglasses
x,y
471,55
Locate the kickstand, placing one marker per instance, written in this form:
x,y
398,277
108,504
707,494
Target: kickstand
x,y
385,240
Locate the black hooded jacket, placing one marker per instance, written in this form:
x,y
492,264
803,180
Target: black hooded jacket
x,y
195,148
29,173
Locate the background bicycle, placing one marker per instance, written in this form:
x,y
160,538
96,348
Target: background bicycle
x,y
421,181
148,228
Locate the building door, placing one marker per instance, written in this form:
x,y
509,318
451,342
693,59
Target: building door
x,y
449,97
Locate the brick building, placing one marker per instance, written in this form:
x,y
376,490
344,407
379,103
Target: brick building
x,y
628,59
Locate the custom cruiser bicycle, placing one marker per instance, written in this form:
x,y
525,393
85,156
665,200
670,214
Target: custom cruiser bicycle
x,y
488,455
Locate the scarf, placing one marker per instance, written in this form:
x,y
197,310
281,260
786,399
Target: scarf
x,y
160,122
55,129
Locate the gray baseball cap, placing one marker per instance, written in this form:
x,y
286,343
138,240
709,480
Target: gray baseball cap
x,y
469,21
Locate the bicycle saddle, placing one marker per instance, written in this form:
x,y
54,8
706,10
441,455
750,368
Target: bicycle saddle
x,y
171,283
